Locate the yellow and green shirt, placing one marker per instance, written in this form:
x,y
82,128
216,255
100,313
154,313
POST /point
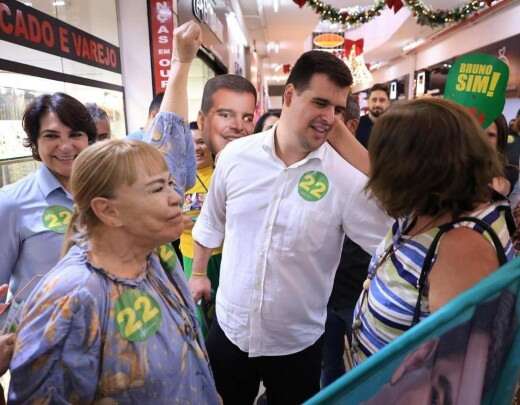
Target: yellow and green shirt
x,y
193,200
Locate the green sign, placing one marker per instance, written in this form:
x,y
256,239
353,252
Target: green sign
x,y
478,82
313,186
138,316
56,218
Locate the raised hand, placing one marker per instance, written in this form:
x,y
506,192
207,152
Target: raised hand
x,y
187,39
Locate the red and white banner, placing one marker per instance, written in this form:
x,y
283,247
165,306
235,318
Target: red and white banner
x,y
160,21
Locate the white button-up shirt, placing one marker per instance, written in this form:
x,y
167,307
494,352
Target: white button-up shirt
x,y
284,229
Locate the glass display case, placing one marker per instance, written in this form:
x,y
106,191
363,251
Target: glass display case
x,y
17,91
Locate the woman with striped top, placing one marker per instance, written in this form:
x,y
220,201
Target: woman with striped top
x,y
431,167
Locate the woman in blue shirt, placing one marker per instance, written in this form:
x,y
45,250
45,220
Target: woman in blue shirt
x,y
106,324
35,211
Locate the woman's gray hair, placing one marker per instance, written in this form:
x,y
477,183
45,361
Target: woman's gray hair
x,y
96,112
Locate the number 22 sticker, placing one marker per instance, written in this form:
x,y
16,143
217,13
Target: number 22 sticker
x,y
313,186
138,316
56,218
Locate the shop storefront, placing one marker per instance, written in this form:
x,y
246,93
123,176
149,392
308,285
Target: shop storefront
x,y
67,46
211,57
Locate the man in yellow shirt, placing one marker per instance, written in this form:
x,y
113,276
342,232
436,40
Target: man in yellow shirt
x,y
193,200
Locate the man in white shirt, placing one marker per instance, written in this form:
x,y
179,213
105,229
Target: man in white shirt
x,y
284,200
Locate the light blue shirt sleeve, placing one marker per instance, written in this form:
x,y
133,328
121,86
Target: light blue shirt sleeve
x,y
136,136
170,134
9,238
57,350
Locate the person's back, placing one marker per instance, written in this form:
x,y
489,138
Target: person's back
x,y
451,233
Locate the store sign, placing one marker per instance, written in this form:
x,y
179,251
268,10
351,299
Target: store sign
x,y
479,82
204,11
327,40
29,27
200,9
160,14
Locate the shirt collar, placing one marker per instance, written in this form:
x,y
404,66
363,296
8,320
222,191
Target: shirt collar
x,y
269,146
48,182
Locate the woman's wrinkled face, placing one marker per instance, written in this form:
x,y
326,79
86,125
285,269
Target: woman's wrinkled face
x,y
149,210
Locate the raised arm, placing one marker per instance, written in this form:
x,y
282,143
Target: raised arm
x,y
169,131
187,40
348,147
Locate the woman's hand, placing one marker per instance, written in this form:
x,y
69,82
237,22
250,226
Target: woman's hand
x,y
6,351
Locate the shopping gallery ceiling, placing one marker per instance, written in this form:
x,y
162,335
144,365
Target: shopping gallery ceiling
x,y
281,30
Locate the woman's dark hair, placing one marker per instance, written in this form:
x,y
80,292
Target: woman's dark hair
x,y
502,133
259,126
430,157
69,110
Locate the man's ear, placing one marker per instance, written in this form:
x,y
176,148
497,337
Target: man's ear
x,y
201,120
288,94
105,211
352,125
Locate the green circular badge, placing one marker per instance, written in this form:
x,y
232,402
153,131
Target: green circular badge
x,y
138,316
167,256
56,218
313,186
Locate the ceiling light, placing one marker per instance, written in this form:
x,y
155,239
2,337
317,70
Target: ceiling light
x,y
273,47
276,78
276,5
58,3
377,65
412,45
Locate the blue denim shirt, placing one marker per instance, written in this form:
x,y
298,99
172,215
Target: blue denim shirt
x,y
170,134
81,340
34,214
136,135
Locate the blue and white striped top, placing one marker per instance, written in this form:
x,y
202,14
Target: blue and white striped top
x,y
388,310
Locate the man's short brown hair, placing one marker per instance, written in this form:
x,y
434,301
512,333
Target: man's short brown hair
x,y
235,83
430,157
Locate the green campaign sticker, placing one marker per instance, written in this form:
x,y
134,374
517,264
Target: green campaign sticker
x,y
478,82
167,256
56,218
313,186
138,316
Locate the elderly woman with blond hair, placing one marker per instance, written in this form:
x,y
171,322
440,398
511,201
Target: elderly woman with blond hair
x,y
106,325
